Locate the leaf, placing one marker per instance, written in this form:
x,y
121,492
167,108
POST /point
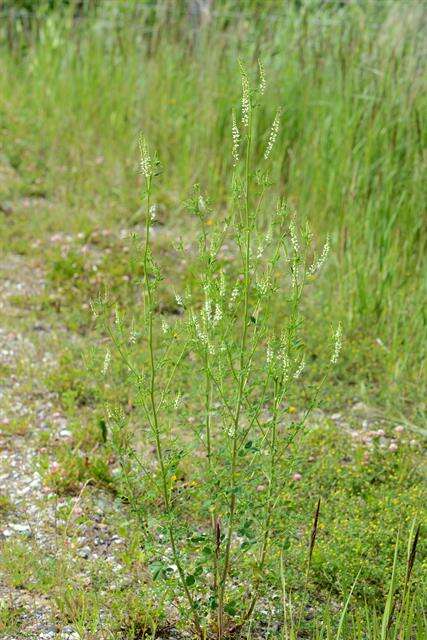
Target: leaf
x,y
388,610
157,568
230,608
286,544
207,550
103,428
190,580
344,611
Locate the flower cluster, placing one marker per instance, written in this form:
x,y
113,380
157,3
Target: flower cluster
x,y
318,264
246,101
273,135
262,81
337,344
236,141
145,158
300,369
107,362
294,236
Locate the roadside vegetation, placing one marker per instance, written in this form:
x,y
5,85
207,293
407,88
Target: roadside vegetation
x,y
230,311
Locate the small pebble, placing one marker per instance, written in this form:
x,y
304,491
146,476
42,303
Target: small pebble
x,y
20,528
84,552
68,633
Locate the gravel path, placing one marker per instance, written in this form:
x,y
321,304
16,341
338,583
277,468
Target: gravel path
x,y
22,411
30,513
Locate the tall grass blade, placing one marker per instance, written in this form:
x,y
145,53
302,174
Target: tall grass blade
x,y
344,611
388,611
314,533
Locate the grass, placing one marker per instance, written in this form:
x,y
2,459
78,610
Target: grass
x,y
349,158
9,618
358,71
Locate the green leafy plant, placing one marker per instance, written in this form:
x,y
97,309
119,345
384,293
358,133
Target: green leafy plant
x,y
249,362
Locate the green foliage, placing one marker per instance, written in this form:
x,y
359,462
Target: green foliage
x,y
226,516
25,567
347,157
349,144
10,617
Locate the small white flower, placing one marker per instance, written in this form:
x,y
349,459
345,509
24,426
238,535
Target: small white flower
x,y
294,276
177,402
273,135
165,326
201,335
294,236
337,344
153,210
231,431
236,141
284,359
132,334
300,369
263,286
318,264
116,316
217,315
145,159
107,362
262,81
179,300
269,355
246,101
234,295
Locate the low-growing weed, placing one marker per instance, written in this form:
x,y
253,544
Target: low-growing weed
x,y
10,617
24,566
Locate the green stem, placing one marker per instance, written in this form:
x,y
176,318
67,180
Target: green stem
x,y
270,502
242,379
208,402
155,420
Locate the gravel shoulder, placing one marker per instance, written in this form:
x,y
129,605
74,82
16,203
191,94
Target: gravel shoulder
x,y
34,521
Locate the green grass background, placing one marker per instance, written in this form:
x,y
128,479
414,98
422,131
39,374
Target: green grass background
x,y
75,92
